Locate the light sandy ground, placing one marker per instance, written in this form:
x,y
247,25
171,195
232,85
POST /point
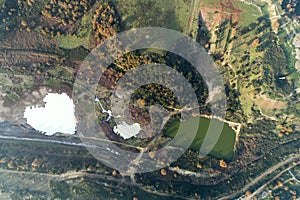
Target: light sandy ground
x,y
265,102
297,65
296,43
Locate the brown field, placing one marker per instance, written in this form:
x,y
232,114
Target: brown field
x,y
218,12
265,102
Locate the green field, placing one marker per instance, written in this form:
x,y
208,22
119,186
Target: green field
x,y
82,36
250,14
225,145
173,14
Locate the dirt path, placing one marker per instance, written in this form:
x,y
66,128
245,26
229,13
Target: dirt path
x,y
274,13
193,17
67,143
294,177
74,174
32,52
267,116
192,174
29,173
234,125
252,4
163,194
62,177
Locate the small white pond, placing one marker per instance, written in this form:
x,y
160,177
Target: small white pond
x,y
127,131
56,117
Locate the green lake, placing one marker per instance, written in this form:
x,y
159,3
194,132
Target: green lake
x,y
224,147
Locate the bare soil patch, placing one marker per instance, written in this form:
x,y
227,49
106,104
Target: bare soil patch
x,y
265,102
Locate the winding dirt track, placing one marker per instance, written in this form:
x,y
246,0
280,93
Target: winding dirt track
x,y
32,52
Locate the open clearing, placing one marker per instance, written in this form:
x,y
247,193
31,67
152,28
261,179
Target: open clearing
x,y
218,10
266,102
173,14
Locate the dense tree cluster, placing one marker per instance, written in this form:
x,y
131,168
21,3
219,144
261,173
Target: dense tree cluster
x,y
120,67
291,6
154,93
62,14
105,22
132,60
276,66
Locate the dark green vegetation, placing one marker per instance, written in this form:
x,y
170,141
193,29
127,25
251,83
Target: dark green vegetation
x,y
173,14
52,38
291,6
155,94
275,59
224,147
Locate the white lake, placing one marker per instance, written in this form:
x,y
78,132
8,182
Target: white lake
x,y
127,131
58,115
